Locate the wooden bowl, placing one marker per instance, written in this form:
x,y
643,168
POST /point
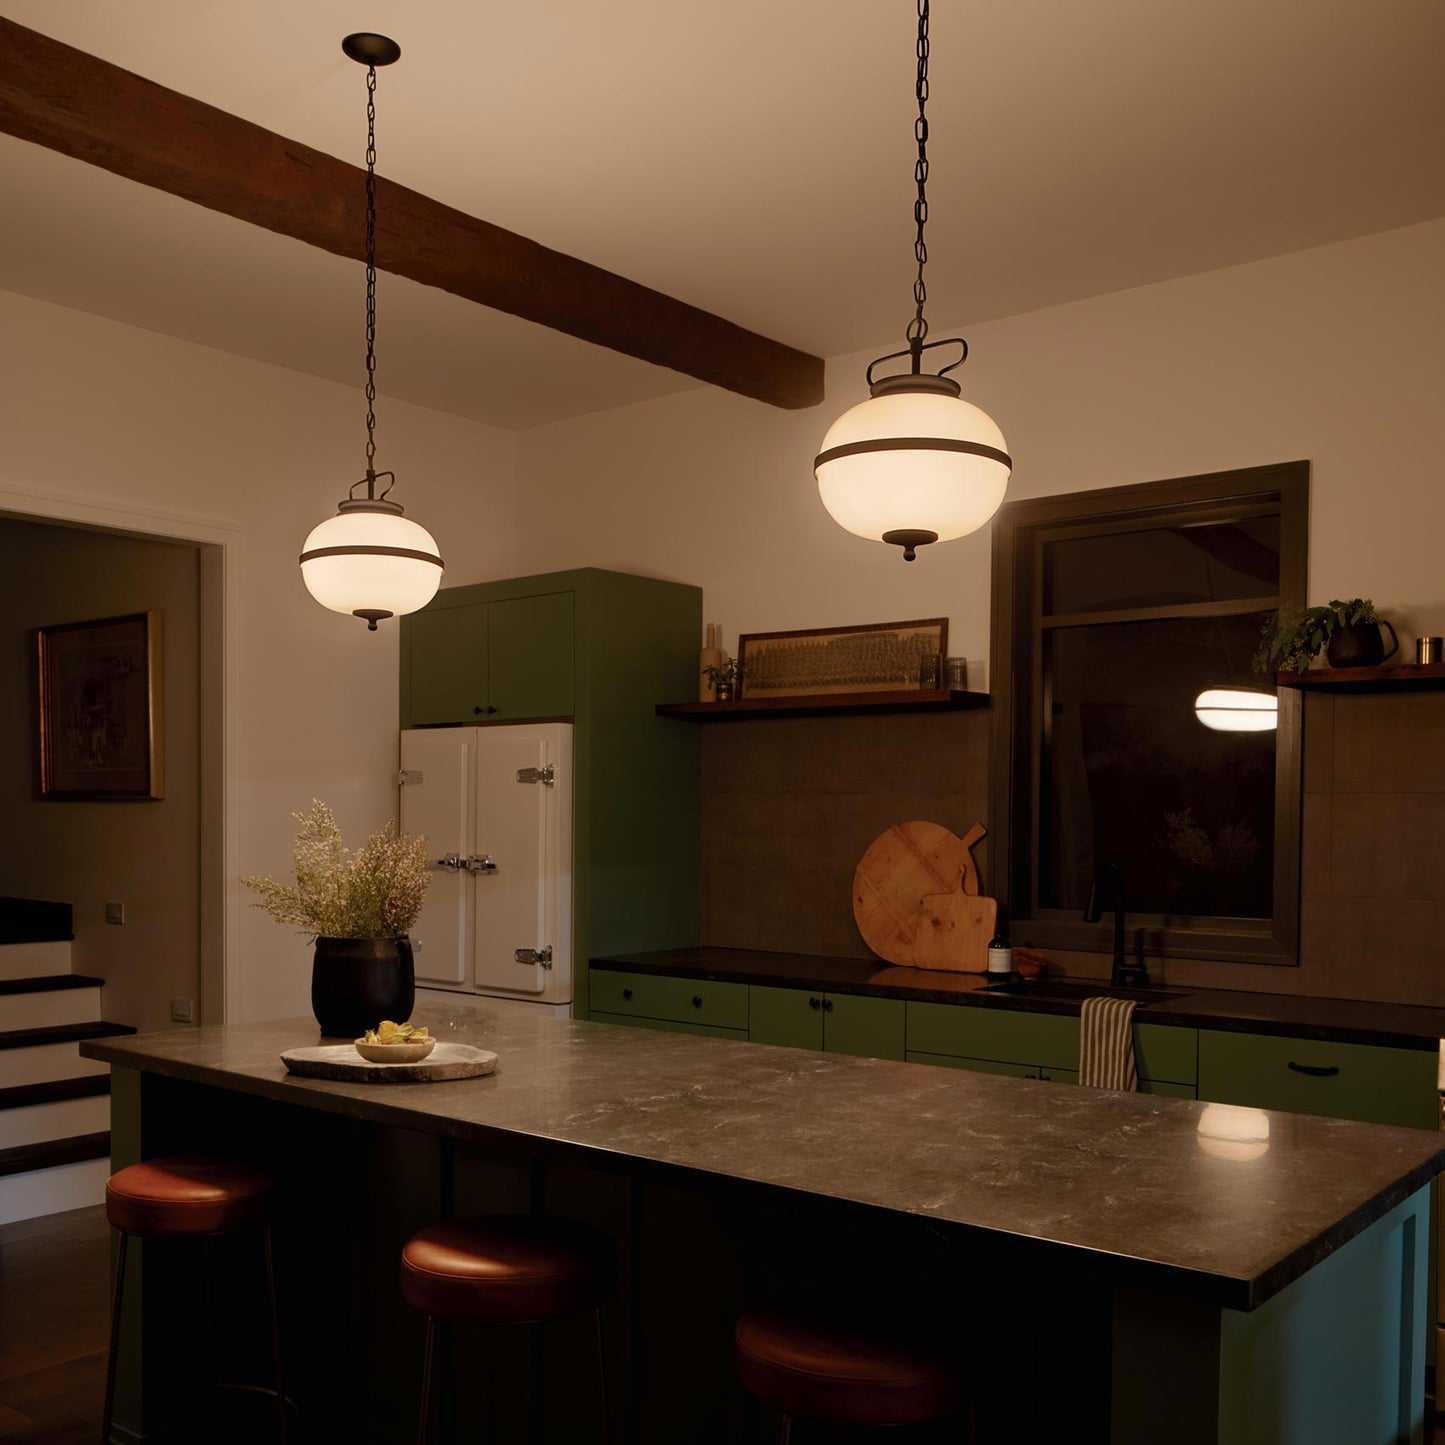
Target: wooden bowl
x,y
410,1053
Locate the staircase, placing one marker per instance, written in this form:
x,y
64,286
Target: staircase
x,y
54,1105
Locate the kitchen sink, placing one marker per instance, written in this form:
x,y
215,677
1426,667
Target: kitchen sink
x,y
1076,991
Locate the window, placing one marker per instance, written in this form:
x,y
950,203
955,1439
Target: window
x,y
1113,611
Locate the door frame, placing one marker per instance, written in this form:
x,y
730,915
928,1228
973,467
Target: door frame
x,y
218,546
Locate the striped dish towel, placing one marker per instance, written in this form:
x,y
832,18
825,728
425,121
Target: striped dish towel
x,y
1106,1044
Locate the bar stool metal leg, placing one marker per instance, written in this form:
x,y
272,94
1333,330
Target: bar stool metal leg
x,y
785,1430
426,1359
275,1337
115,1302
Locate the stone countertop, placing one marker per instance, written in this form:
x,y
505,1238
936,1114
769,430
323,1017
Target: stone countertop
x,y
1401,1026
1207,1201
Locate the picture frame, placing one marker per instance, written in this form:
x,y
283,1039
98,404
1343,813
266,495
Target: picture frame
x,y
100,713
829,661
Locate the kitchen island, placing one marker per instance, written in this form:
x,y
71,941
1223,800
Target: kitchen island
x,y
1139,1269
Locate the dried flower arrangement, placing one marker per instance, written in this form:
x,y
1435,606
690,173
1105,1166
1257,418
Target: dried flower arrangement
x,y
376,892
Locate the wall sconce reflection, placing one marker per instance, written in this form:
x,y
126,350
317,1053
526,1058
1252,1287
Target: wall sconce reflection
x,y
1237,710
1232,1131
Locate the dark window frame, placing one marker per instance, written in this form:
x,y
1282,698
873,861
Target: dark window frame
x,y
1015,671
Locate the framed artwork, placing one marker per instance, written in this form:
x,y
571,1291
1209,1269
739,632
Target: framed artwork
x,y
877,657
100,709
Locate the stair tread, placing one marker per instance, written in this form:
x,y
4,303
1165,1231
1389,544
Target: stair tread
x,y
24,1096
49,983
53,1152
61,1034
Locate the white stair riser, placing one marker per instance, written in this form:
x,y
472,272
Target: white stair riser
x,y
62,1119
41,1010
30,960
51,1191
42,1063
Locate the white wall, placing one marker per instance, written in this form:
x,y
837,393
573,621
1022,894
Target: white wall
x,y
1333,355
106,416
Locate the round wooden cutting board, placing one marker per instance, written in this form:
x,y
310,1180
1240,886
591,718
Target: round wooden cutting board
x,y
902,865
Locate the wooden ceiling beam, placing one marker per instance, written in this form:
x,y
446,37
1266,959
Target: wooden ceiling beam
x,y
85,107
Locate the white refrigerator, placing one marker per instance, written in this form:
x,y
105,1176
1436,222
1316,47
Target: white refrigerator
x,y
495,805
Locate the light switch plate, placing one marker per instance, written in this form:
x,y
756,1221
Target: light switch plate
x,y
182,1011
115,912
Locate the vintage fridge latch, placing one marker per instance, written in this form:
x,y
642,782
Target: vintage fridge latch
x,y
541,956
408,775
546,775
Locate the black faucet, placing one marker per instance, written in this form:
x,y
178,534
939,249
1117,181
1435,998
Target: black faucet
x,y
1123,974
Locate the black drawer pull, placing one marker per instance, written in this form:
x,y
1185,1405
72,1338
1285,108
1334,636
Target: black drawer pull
x,y
627,993
827,1005
815,1003
483,711
1316,1071
696,1001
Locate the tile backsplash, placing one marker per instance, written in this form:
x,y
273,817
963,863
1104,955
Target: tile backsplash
x,y
789,805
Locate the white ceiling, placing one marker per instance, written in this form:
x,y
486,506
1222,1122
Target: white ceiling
x,y
753,158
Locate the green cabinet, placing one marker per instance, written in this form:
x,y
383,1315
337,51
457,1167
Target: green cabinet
x,y
838,1023
603,649
1311,1076
504,661
672,1026
1043,1046
663,999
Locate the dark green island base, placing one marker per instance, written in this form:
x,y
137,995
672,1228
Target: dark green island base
x,y
1131,1269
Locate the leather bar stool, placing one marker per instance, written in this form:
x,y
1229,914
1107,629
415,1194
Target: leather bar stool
x,y
856,1360
506,1269
190,1196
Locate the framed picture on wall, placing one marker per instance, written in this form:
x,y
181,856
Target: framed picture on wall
x,y
876,657
100,709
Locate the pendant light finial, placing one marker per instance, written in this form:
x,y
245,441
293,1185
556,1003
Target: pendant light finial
x,y
369,560
915,463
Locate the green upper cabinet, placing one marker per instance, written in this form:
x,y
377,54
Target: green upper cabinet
x,y
448,666
531,657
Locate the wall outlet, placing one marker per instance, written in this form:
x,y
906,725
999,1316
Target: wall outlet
x,y
115,912
182,1011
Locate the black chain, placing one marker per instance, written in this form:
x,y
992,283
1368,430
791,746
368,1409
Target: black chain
x,y
371,271
918,327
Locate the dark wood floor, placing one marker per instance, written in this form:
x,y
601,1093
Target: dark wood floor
x,y
53,1330
54,1319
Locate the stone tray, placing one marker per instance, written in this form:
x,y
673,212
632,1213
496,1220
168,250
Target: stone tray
x,y
341,1061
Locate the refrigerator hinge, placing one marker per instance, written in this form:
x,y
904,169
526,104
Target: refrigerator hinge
x,y
545,775
541,955
408,775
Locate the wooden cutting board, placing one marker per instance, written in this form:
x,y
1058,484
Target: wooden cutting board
x,y
954,930
903,864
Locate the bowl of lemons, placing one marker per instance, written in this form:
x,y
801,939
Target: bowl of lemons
x,y
393,1043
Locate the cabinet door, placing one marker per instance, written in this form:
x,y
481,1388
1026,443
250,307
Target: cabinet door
x,y
660,996
439,809
792,1017
530,652
869,1026
1011,1036
671,1026
1310,1076
448,665
977,1066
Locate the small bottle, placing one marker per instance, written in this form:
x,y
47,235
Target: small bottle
x,y
710,656
1000,955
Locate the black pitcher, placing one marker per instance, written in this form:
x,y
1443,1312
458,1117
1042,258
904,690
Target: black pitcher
x,y
1360,645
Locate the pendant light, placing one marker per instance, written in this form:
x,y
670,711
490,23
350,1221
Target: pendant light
x,y
1237,709
369,559
915,463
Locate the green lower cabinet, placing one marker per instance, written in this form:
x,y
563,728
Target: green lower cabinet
x,y
791,1017
661,996
672,1026
977,1066
1310,1076
873,1027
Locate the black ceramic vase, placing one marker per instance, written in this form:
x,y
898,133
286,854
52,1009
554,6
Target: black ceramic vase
x,y
357,982
1360,645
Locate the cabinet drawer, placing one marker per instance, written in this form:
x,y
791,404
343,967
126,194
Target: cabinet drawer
x,y
792,1017
977,1066
872,1027
1164,1052
684,1000
672,1026
1005,1035
1308,1076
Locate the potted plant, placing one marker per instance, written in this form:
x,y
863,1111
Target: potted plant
x,y
1348,632
359,907
726,678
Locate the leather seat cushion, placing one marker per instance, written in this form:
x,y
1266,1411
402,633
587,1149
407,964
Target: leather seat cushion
x,y
841,1357
507,1269
188,1194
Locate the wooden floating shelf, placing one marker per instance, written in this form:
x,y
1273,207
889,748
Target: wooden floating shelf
x,y
1404,678
840,702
